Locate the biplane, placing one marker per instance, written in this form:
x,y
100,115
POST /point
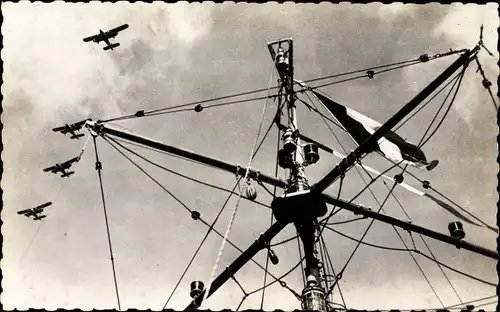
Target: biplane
x,y
71,129
105,36
35,212
62,168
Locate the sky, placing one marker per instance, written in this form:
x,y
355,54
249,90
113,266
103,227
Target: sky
x,y
173,54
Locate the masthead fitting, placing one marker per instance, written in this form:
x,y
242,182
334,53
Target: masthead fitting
x,y
282,61
289,144
285,159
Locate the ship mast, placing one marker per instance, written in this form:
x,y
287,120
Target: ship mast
x,y
292,157
302,204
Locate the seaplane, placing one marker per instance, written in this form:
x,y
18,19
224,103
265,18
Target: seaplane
x,y
105,36
35,212
72,129
62,168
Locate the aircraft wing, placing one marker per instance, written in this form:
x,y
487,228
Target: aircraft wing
x,y
53,169
25,211
69,162
58,129
118,29
91,38
44,205
79,124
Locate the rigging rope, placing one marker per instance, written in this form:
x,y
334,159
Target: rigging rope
x,y
185,207
256,150
240,195
198,249
98,167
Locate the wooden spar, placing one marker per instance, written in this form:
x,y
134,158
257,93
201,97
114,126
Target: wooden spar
x,y
349,161
410,227
254,174
237,264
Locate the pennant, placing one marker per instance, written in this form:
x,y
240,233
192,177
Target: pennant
x,y
361,127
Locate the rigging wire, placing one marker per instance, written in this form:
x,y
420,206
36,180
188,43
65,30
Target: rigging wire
x,y
300,255
362,76
204,222
256,150
198,249
98,168
447,110
413,61
274,196
245,295
331,266
279,279
240,195
472,301
182,175
399,203
424,241
486,82
346,221
53,201
377,177
427,102
415,251
284,241
199,218
381,207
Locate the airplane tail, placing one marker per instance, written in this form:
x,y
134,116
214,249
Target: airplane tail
x,y
111,46
67,174
77,136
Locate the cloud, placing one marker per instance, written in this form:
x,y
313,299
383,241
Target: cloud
x,y
462,26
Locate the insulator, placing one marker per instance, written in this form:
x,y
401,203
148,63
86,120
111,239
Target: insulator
x,y
311,153
281,61
139,113
196,289
370,74
424,58
289,144
251,191
486,83
469,307
426,184
456,230
272,256
195,215
398,178
285,159
198,108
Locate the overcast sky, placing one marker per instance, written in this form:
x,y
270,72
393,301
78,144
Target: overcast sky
x,y
175,54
